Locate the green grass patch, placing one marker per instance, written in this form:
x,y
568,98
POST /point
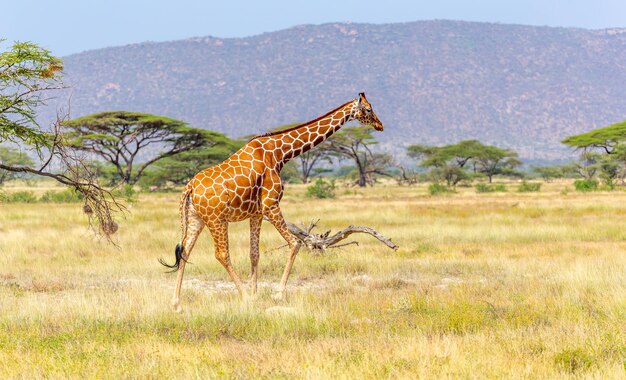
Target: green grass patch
x,y
322,189
573,360
529,187
18,197
586,185
63,196
440,189
488,188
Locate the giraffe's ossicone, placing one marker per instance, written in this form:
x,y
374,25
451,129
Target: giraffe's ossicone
x,y
247,185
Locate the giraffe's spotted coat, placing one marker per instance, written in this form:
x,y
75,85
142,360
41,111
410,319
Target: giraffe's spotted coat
x,y
247,185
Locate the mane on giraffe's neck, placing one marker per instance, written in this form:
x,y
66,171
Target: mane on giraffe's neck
x,y
311,122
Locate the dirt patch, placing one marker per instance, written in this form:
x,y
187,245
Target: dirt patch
x,y
222,286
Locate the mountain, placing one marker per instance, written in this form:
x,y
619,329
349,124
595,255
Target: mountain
x,y
430,82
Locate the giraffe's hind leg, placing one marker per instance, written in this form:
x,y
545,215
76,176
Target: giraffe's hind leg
x,y
219,231
194,227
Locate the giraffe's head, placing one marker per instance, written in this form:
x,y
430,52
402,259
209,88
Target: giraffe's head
x,y
364,113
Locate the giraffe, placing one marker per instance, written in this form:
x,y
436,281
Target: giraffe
x,y
247,185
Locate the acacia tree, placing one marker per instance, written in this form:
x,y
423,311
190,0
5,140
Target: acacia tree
x,y
458,154
378,165
308,163
492,160
603,152
446,162
121,136
450,162
27,73
605,139
354,143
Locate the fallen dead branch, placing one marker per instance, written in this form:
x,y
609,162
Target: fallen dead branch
x,y
322,242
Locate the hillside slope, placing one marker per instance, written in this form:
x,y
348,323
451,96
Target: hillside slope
x,y
431,82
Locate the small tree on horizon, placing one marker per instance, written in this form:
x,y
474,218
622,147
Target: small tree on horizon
x,y
550,173
354,143
493,161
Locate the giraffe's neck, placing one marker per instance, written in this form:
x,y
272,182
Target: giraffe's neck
x,y
295,141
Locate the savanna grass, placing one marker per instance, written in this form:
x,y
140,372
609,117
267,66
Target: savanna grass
x,y
484,285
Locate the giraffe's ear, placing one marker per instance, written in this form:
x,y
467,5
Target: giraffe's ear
x,y
359,102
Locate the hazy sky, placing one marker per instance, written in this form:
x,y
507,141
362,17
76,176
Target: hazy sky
x,y
72,26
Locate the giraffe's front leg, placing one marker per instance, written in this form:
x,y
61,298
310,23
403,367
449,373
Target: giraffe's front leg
x,y
276,218
255,231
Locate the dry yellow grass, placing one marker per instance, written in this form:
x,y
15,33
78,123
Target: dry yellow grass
x,y
484,285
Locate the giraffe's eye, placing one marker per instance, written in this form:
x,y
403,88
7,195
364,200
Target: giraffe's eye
x,y
368,110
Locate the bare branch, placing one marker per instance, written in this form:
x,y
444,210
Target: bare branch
x,y
100,205
322,242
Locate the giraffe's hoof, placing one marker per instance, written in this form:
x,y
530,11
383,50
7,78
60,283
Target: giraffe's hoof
x,y
176,307
250,297
247,298
279,295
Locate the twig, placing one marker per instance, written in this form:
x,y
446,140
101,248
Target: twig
x,y
344,244
277,248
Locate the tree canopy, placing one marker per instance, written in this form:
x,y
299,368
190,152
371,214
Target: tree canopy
x,y
549,173
120,137
449,162
491,160
458,154
610,140
606,138
26,72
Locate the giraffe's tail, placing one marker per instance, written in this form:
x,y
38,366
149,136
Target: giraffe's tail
x,y
180,248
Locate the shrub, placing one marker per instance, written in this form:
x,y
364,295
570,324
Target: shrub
x,y
321,189
64,196
439,189
586,185
500,188
529,187
18,197
485,188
